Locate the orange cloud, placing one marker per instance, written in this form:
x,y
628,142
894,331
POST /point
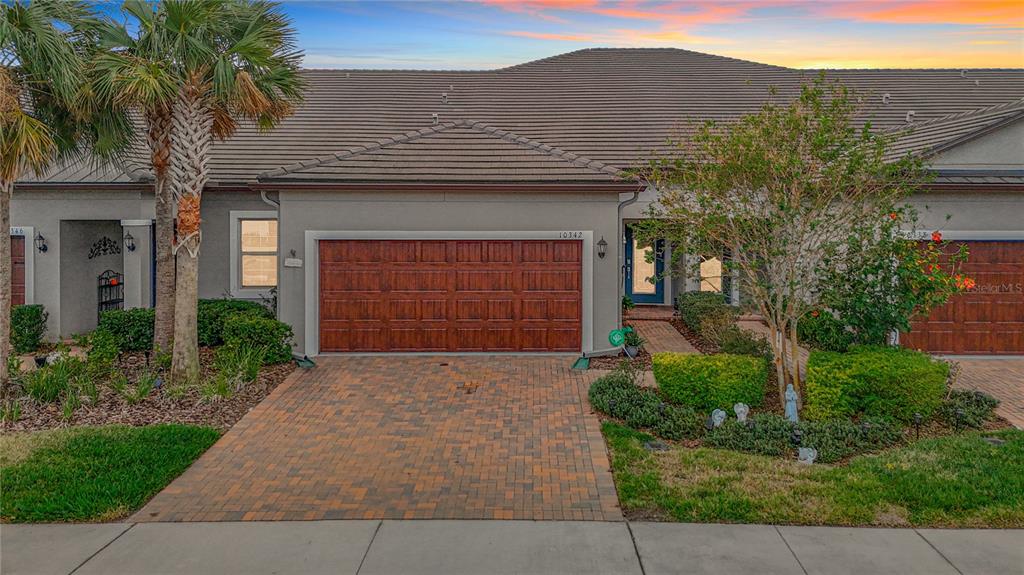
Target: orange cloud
x,y
972,12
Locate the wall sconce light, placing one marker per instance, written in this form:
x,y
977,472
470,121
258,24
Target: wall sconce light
x,y
129,242
40,242
602,247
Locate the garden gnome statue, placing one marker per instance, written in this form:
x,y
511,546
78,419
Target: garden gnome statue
x,y
718,417
807,455
791,403
741,410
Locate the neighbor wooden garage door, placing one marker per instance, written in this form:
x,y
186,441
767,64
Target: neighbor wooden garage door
x,y
987,320
450,295
17,270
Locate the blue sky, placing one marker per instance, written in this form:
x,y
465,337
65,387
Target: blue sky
x,y
494,33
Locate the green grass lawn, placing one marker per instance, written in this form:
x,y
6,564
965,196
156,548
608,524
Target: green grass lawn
x,y
93,473
954,481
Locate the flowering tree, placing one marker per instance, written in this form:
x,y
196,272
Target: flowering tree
x,y
792,192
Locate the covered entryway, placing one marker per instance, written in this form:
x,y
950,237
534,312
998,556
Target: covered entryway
x,y
17,270
450,295
989,319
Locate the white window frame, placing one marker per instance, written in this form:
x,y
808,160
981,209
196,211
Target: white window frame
x,y
237,291
29,233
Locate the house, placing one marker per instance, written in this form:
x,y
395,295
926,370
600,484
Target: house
x,y
447,211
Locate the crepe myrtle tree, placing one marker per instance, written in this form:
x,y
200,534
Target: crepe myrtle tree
x,y
48,112
241,64
786,191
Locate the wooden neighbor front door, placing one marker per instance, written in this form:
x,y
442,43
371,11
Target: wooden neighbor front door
x,y
987,320
450,295
17,270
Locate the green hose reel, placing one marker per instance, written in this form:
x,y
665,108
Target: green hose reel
x,y
617,337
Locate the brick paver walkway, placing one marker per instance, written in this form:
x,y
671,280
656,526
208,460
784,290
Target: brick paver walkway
x,y
654,312
662,336
468,437
1003,379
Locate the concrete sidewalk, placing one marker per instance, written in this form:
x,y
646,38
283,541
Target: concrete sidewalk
x,y
480,547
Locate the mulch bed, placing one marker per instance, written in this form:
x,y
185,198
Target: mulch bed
x,y
183,405
613,361
695,340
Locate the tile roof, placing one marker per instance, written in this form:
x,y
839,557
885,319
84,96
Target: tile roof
x,y
460,151
611,106
932,137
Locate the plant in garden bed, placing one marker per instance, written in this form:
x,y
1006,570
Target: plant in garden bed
x,y
962,408
618,395
882,381
28,326
93,473
707,382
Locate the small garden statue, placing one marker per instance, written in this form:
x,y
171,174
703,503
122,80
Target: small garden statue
x,y
741,410
806,455
791,403
718,417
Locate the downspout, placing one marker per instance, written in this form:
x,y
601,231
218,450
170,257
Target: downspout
x,y
622,275
269,202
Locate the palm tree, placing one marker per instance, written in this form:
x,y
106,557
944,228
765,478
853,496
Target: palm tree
x,y
46,110
137,71
241,64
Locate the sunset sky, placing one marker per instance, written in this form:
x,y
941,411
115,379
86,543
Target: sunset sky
x,y
482,34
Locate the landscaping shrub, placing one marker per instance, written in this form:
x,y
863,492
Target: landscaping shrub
x,y
738,341
617,395
102,354
707,382
975,408
240,364
28,325
876,381
772,435
824,331
260,332
51,382
133,328
706,313
213,312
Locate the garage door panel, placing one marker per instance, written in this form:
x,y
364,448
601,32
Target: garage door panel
x,y
453,295
989,319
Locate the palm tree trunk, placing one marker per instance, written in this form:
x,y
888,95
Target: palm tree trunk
x,y
6,187
193,136
159,123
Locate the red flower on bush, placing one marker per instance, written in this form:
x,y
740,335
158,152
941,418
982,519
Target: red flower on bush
x,y
815,313
936,236
893,216
969,283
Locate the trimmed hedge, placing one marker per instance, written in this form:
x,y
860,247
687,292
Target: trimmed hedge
x,y
875,381
772,435
213,312
616,395
707,382
131,328
28,325
258,331
737,341
706,313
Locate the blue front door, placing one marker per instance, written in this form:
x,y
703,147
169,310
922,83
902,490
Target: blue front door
x,y
644,281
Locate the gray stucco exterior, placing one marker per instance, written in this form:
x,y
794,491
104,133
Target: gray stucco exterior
x,y
485,213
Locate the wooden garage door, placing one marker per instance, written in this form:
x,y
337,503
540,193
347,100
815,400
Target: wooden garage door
x,y
448,295
17,270
987,320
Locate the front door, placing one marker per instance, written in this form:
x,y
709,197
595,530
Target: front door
x,y
644,278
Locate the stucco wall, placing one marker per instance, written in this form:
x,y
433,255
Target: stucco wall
x,y
302,211
79,273
1002,149
45,210
991,212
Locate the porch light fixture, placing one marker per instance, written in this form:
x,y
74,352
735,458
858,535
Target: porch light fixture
x,y
602,248
129,242
40,242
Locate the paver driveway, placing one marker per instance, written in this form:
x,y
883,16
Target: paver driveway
x,y
504,437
